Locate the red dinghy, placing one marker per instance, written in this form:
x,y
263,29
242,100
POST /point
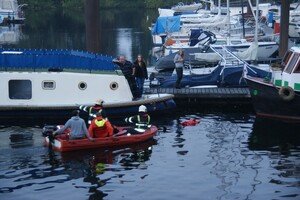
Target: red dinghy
x,y
190,122
63,144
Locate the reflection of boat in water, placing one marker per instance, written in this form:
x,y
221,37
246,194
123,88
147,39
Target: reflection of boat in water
x,y
278,96
268,134
110,155
10,34
11,12
75,78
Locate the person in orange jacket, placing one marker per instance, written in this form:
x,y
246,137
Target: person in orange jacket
x,y
100,127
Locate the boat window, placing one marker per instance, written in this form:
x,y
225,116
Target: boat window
x,y
292,63
286,58
20,89
297,68
48,85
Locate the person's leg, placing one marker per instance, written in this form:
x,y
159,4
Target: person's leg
x,y
179,72
133,86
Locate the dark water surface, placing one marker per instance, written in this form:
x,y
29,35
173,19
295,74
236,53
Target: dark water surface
x,y
226,156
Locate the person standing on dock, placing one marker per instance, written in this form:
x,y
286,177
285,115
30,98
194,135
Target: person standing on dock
x,y
141,73
179,60
128,70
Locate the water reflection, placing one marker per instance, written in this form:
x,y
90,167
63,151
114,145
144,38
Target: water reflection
x,y
92,26
279,142
10,34
274,136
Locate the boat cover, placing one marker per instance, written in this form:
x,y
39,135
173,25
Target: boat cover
x,y
167,24
54,59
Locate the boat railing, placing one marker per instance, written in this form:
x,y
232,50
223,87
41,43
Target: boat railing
x,y
54,60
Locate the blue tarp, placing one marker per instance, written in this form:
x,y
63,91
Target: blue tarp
x,y
59,59
166,25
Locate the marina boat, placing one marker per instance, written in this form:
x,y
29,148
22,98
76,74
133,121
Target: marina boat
x,y
11,11
181,7
278,96
54,82
228,73
62,144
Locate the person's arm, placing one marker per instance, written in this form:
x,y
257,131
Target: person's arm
x,y
146,71
91,129
60,131
133,70
176,58
86,132
110,129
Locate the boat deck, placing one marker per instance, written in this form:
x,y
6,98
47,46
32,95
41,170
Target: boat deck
x,y
202,92
203,97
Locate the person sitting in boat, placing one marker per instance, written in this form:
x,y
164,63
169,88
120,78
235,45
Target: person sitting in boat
x,y
128,70
77,127
93,110
100,126
140,121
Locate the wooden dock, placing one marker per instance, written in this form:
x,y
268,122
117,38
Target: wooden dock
x,y
203,97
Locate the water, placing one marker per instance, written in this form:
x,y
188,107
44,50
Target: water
x,y
226,156
110,32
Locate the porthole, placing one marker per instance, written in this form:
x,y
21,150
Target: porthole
x,y
82,85
114,85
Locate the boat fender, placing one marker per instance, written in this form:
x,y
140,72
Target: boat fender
x,y
286,93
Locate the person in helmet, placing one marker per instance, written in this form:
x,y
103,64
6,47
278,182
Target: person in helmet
x,y
100,126
140,122
93,110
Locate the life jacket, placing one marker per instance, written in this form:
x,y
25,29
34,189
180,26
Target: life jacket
x,y
99,128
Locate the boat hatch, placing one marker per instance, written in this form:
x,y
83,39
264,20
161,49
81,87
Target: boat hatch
x,y
20,89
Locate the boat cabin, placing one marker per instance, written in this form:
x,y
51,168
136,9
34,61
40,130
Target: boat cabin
x,y
290,73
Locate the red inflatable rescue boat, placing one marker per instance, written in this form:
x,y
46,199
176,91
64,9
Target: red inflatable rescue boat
x,y
62,143
190,122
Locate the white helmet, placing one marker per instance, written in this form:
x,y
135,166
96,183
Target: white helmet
x,y
99,102
142,108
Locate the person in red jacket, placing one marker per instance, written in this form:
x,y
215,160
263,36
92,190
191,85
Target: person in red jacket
x,y
100,127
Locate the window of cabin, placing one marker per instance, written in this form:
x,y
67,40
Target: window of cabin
x,y
48,85
286,58
297,68
20,89
292,63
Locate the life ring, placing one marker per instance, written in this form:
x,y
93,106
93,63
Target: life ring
x,y
286,93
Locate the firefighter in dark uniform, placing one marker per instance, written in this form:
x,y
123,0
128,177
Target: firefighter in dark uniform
x,y
93,110
140,122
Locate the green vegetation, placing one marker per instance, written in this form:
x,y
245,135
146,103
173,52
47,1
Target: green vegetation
x,y
79,4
